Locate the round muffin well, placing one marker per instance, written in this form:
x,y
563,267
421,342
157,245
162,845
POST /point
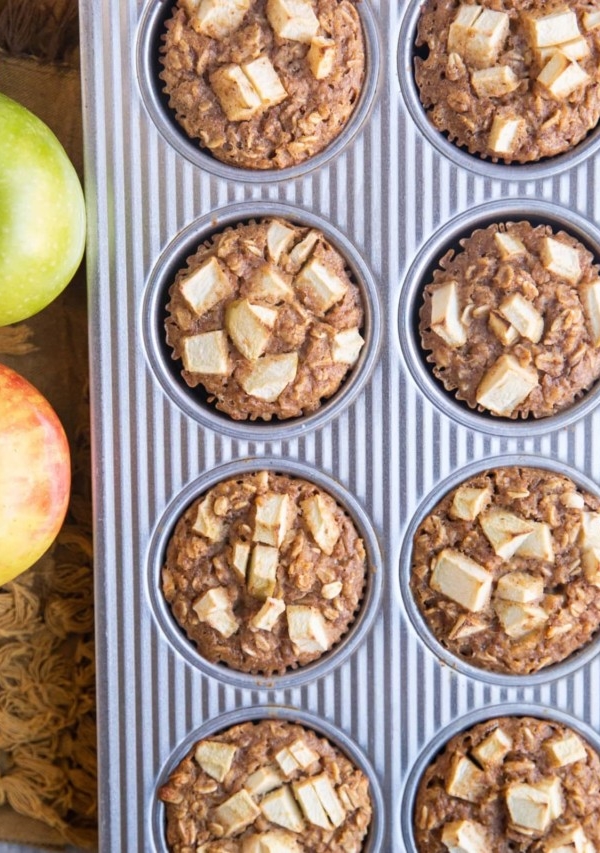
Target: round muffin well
x,y
264,573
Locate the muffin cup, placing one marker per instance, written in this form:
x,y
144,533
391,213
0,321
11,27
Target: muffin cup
x,y
550,673
151,28
411,300
480,715
407,51
193,401
374,840
357,629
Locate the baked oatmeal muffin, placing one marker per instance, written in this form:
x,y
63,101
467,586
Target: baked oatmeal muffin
x,y
506,569
264,572
263,84
266,787
267,319
510,785
512,320
510,80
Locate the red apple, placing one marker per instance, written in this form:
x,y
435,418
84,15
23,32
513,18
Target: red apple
x,y
35,474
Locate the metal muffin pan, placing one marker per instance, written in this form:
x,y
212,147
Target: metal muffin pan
x,y
193,401
148,67
549,673
548,167
374,840
421,273
388,191
436,746
359,627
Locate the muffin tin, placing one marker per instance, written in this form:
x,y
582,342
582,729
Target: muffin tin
x,y
386,196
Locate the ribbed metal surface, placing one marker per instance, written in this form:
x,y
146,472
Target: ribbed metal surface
x,y
387,193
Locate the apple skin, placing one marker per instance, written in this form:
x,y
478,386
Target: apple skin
x,y
35,474
42,214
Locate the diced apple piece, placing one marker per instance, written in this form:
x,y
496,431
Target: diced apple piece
x,y
206,353
486,38
321,521
262,781
265,81
319,287
517,620
560,76
508,245
590,561
589,535
274,841
286,761
591,20
539,543
504,134
331,590
279,238
207,523
249,327
521,587
307,629
346,346
321,57
304,755
460,28
503,330
272,520
523,315
466,626
494,82
445,315
590,297
576,49
238,98
263,571
561,259
215,758
214,608
565,750
572,500
572,841
468,502
269,286
310,803
241,555
554,29
505,385
465,836
236,813
217,18
529,808
329,799
552,788
206,286
461,579
465,780
302,250
293,19
493,749
270,376
505,531
281,808
268,614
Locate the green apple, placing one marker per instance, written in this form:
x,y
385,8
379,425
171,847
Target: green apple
x,y
42,214
35,474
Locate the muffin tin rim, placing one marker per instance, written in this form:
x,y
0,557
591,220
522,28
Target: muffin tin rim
x,y
446,236
149,87
433,747
548,674
534,170
272,711
155,298
358,628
